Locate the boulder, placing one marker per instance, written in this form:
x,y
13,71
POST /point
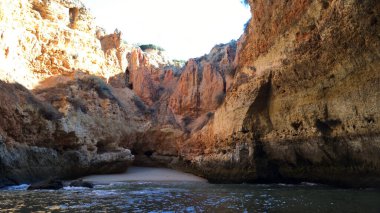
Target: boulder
x,y
51,184
81,183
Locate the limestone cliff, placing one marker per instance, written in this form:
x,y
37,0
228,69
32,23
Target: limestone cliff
x,y
307,105
294,99
40,39
181,100
67,131
204,82
71,123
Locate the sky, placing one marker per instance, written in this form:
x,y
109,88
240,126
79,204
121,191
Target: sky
x,y
184,28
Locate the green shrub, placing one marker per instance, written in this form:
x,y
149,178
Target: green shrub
x,y
145,47
45,109
49,112
179,63
100,86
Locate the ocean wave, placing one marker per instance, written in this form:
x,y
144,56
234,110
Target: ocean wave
x,y
104,192
75,188
21,187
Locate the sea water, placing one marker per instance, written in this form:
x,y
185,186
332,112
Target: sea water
x,y
191,197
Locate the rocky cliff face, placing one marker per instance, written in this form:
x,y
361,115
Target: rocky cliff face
x,y
40,39
71,123
181,100
295,99
204,82
70,130
307,105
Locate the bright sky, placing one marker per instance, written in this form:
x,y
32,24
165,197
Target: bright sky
x,y
184,28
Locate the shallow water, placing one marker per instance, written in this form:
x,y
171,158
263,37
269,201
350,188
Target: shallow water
x,y
191,197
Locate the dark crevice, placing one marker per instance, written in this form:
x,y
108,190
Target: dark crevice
x,y
266,169
326,127
101,147
133,152
296,125
257,119
148,153
369,120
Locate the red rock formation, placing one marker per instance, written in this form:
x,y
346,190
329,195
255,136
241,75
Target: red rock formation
x,y
143,76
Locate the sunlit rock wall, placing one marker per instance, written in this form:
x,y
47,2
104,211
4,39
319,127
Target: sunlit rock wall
x,y
40,39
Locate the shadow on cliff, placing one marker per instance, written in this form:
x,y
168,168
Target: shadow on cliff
x,y
65,128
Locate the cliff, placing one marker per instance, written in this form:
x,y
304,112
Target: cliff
x,y
71,130
294,99
58,119
181,99
306,107
204,82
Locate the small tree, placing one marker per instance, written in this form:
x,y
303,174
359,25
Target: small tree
x,y
151,46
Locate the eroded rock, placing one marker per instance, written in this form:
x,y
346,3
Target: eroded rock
x,y
49,184
68,131
307,93
81,183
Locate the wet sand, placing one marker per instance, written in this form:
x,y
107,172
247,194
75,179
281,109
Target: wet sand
x,y
144,174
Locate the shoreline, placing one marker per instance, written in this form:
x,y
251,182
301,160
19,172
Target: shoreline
x,y
149,174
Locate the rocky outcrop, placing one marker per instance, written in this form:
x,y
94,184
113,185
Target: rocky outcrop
x,y
41,39
193,90
81,183
49,185
204,82
306,105
150,74
69,123
181,101
66,131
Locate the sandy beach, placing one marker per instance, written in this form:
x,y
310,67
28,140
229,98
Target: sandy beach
x,y
144,174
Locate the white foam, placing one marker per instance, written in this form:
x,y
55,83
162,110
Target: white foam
x,y
104,192
309,184
74,188
21,187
